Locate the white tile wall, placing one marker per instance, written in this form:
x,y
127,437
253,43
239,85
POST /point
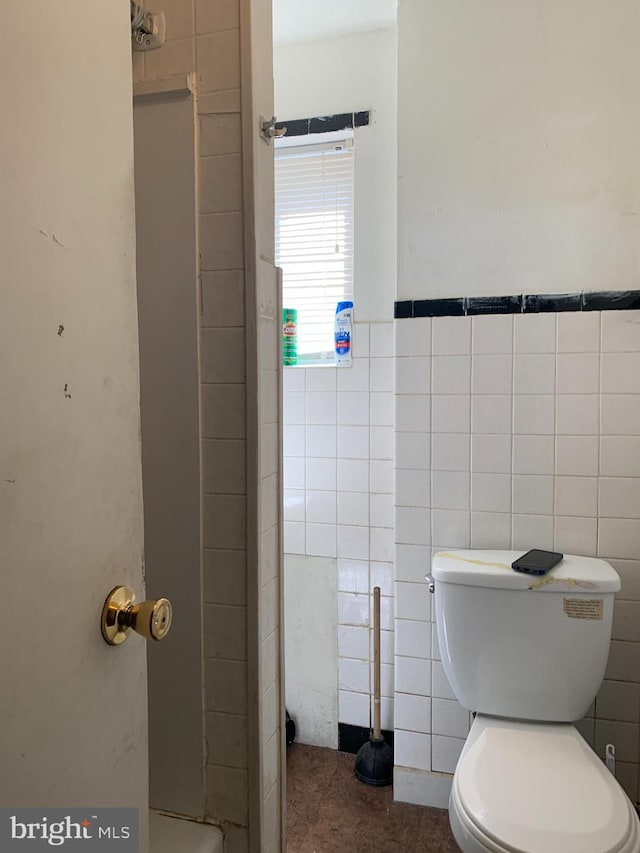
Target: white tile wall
x,y
524,432
492,334
412,749
412,713
445,752
509,432
338,502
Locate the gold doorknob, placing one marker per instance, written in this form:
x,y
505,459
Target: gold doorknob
x,y
150,619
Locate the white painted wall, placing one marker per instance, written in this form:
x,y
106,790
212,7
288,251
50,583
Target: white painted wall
x,y
519,134
311,648
305,20
345,74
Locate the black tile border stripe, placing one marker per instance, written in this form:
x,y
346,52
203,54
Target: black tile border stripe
x,y
541,303
494,305
536,303
325,124
622,300
351,738
438,307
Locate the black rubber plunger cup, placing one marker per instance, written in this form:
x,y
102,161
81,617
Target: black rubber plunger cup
x,y
374,761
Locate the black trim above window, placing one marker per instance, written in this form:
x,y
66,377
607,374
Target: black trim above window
x,y
324,124
297,127
537,303
327,124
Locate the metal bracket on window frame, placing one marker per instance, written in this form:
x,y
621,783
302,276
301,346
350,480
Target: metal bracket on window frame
x,y
268,129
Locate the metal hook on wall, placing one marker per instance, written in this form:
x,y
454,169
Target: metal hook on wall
x,y
268,129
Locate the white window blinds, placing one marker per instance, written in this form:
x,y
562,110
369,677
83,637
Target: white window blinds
x,y
314,238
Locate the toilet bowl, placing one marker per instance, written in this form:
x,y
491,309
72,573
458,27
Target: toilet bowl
x,y
523,787
528,656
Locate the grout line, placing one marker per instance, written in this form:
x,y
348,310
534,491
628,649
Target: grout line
x,y
599,433
227,713
243,769
237,154
512,442
206,327
555,429
431,537
202,213
197,35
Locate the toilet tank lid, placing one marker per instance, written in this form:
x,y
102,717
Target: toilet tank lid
x,y
493,569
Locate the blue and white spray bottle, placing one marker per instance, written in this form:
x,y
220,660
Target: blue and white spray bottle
x,y
342,333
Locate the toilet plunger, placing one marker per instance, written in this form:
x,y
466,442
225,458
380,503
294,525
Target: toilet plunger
x,y
374,761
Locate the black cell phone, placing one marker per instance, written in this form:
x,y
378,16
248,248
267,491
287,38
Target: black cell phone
x,y
537,562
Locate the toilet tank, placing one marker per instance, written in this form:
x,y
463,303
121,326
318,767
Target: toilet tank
x,y
523,646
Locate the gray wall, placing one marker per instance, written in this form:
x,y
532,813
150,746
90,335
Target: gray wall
x,y
168,322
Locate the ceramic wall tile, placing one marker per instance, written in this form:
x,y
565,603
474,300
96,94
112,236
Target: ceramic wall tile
x,y
492,334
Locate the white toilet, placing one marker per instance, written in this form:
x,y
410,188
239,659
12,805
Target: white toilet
x,y
528,655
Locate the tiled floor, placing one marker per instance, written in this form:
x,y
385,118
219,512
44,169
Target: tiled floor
x,y
329,811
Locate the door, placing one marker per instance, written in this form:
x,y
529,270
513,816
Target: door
x,y
73,710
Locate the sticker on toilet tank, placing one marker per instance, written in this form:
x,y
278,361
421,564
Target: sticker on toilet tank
x,y
583,608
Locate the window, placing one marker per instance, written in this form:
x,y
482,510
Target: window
x,y
314,238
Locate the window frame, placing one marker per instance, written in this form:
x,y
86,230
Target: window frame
x,y
324,358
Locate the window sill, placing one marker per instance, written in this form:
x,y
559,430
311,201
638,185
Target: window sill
x,y
312,364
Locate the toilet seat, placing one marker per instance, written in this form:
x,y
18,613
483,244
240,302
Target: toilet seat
x,y
523,787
